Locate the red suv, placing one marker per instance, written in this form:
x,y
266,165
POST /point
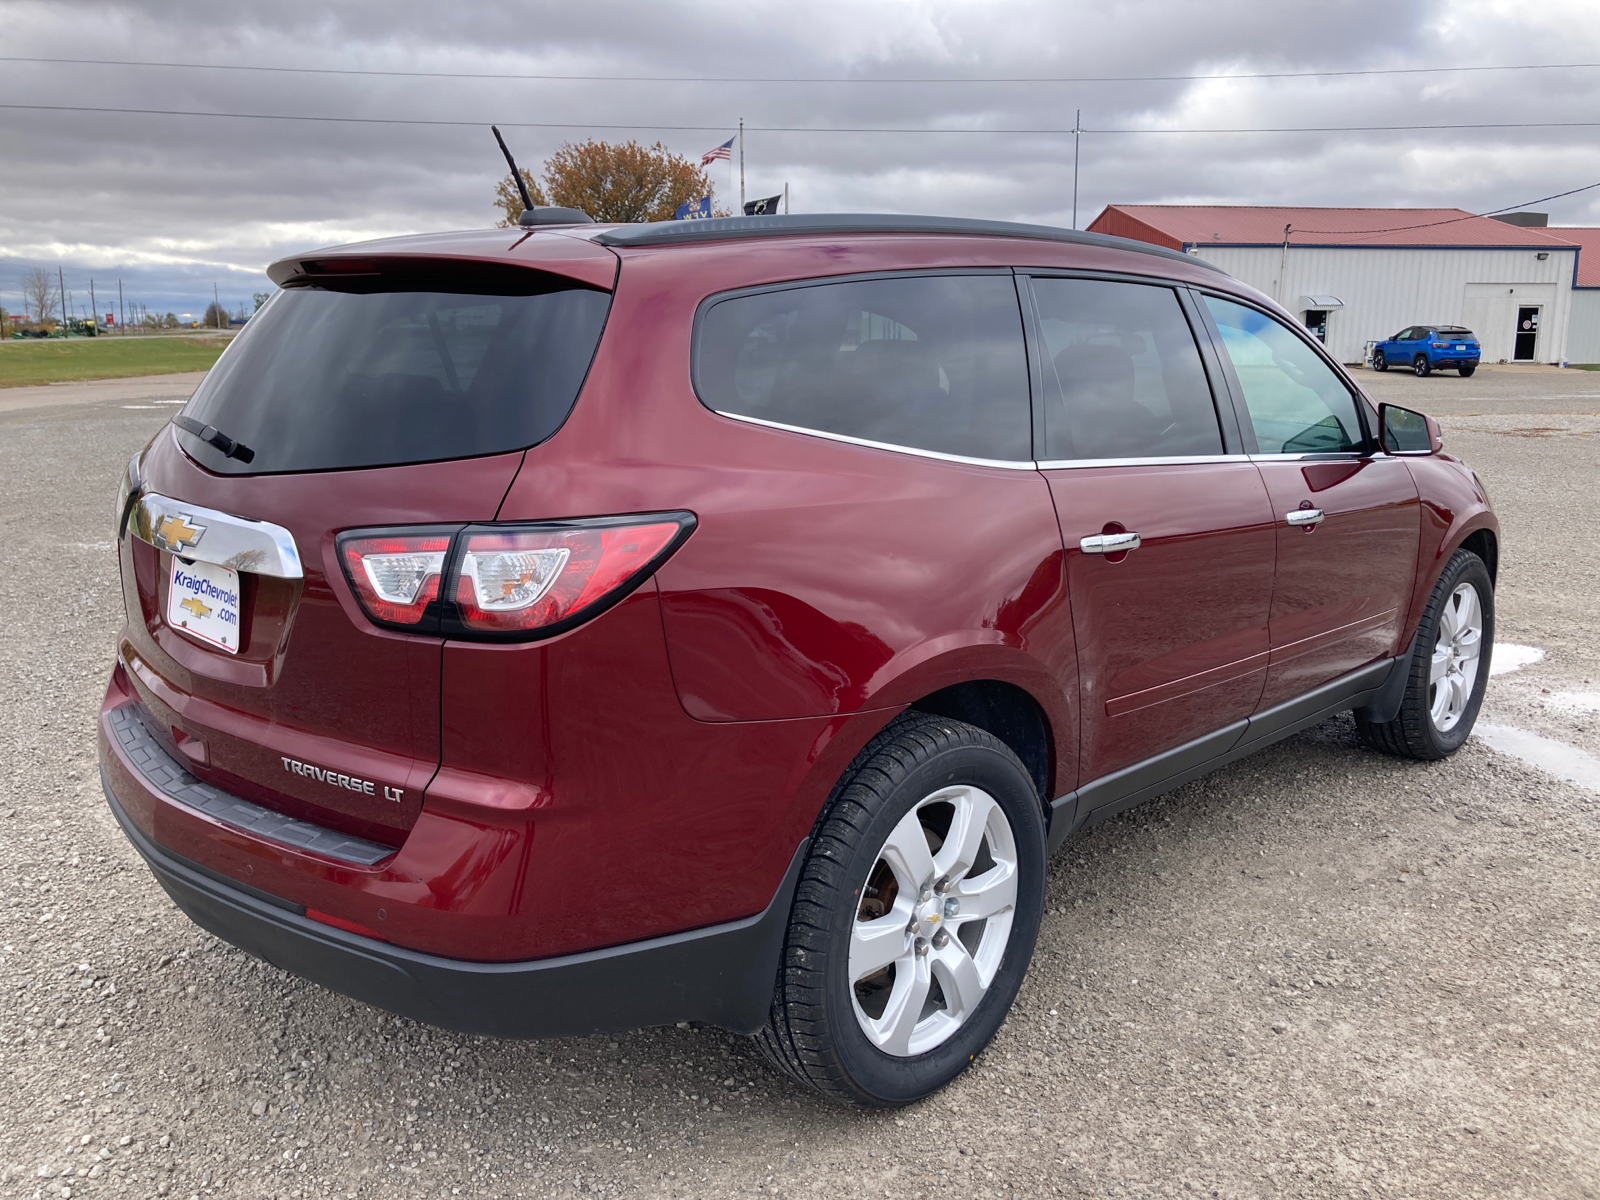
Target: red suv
x,y
573,627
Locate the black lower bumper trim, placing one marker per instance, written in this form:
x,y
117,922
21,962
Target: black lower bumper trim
x,y
722,975
162,772
1369,686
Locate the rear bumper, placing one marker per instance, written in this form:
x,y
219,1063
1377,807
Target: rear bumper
x,y
722,975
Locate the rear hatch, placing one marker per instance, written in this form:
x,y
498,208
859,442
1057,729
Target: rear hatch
x,y
390,389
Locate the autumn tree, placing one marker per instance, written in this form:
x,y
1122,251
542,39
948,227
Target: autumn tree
x,y
621,183
509,201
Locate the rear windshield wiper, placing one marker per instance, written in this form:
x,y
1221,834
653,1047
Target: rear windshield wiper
x,y
215,437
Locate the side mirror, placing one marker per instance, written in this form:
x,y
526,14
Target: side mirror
x,y
1407,432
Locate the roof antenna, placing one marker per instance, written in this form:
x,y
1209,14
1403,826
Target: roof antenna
x,y
527,203
530,214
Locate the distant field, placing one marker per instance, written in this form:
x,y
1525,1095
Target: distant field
x,y
31,362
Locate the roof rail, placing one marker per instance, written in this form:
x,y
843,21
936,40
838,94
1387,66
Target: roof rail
x,y
716,229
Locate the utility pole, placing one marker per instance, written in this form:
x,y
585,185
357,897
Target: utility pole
x,y
1283,265
94,311
216,303
1077,130
741,166
122,313
786,197
61,282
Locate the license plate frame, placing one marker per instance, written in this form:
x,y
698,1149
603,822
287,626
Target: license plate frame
x,y
203,601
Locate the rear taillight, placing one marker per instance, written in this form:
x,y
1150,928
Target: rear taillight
x,y
396,576
539,577
505,582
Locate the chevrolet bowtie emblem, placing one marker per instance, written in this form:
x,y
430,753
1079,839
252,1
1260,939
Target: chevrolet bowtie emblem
x,y
177,533
197,607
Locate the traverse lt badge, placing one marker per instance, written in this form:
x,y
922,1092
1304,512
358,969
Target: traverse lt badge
x,y
350,783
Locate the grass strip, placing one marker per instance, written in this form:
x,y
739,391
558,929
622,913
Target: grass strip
x,y
24,363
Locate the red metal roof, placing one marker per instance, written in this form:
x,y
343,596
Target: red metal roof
x,y
1589,260
1178,225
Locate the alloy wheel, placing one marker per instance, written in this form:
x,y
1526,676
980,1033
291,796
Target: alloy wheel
x,y
934,921
1454,671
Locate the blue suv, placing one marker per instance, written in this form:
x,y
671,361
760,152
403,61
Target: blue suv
x,y
1425,347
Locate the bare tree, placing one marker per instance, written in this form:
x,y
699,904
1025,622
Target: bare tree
x,y
39,288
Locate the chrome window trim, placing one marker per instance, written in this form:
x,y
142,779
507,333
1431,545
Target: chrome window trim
x,y
1312,455
1006,464
1170,460
256,547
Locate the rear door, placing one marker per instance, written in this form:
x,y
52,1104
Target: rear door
x,y
1347,516
389,398
1172,634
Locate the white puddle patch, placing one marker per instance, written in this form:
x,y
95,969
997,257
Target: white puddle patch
x,y
1508,657
1575,701
1547,754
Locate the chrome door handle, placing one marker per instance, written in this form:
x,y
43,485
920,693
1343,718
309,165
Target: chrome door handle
x,y
1109,543
1304,517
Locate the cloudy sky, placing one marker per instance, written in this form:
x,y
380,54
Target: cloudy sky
x,y
172,204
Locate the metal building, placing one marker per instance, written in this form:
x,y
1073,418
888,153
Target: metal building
x,y
1583,331
1358,275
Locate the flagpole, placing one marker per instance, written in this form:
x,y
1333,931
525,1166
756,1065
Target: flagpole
x,y
1077,129
741,166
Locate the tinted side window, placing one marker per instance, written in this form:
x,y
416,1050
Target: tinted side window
x,y
1122,374
1297,404
932,363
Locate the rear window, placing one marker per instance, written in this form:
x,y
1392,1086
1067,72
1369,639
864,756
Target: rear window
x,y
1457,335
926,362
370,372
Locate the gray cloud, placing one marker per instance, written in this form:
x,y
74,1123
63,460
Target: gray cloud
x,y
172,204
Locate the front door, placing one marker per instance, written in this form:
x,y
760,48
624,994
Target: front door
x,y
1527,335
1347,516
1171,630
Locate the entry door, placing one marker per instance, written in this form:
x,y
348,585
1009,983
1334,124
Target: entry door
x,y
1171,625
1347,517
1527,334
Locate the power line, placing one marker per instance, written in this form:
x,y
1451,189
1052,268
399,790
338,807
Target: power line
x,y
1453,220
898,129
184,66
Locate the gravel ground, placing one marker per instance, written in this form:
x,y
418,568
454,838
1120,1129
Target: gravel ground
x,y
1319,972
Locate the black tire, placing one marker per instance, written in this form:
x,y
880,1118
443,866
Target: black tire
x,y
1413,734
813,1033
1466,372
1420,366
1379,362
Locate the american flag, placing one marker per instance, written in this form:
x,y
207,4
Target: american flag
x,y
724,152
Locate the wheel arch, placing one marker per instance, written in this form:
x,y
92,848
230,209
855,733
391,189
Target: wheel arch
x,y
1485,543
1455,515
1011,714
